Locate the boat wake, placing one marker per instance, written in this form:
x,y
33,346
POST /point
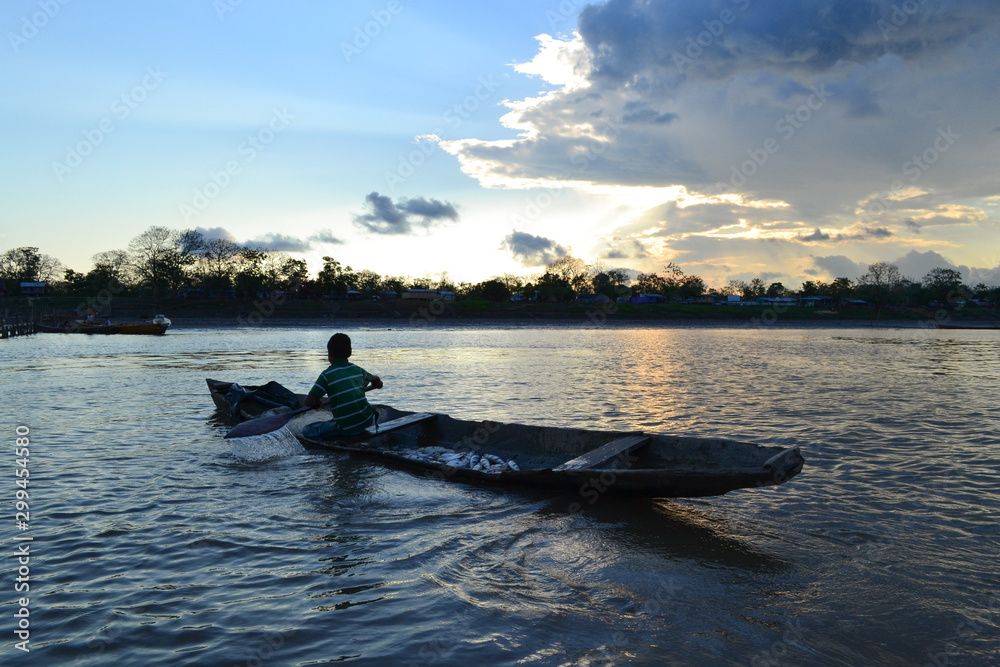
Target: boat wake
x,y
266,447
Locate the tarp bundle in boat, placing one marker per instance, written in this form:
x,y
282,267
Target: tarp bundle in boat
x,y
271,394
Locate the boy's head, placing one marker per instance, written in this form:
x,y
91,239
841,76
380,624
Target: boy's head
x,y
339,346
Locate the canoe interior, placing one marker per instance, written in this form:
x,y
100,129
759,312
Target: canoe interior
x,y
535,447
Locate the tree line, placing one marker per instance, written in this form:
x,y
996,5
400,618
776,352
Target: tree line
x,y
164,264
882,285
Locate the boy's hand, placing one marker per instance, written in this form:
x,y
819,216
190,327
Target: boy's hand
x,y
376,382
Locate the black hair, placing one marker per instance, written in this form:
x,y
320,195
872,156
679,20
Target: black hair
x,y
339,346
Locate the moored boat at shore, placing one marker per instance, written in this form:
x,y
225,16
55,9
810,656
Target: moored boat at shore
x,y
985,327
591,463
157,327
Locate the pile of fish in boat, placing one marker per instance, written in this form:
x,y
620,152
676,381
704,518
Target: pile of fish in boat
x,y
486,463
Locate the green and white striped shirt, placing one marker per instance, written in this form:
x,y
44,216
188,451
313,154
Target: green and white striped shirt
x,y
345,384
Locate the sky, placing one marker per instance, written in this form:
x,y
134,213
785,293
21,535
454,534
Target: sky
x,y
790,141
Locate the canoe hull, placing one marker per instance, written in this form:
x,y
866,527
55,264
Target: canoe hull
x,y
664,467
136,329
984,327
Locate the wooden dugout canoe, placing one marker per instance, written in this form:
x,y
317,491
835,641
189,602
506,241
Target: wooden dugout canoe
x,y
588,462
133,328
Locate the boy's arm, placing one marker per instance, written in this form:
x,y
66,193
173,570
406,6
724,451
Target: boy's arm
x,y
315,395
374,380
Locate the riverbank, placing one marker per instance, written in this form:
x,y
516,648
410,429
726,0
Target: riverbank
x,y
283,312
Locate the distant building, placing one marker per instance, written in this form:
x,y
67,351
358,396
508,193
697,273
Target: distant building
x,y
521,296
32,289
421,294
778,301
707,299
648,298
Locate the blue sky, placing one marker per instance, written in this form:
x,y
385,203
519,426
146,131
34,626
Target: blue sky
x,y
790,141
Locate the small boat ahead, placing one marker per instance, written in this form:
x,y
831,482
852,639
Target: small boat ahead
x,y
157,327
984,327
590,463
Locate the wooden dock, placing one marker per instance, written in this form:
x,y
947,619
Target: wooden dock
x,y
14,329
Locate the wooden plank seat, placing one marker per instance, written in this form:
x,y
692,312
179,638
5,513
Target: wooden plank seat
x,y
379,429
595,458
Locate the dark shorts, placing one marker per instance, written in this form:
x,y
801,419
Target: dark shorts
x,y
330,430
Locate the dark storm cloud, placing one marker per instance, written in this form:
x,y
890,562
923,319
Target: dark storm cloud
x,y
385,216
531,250
840,266
215,233
817,235
915,264
720,38
276,242
279,243
636,112
868,233
860,234
626,249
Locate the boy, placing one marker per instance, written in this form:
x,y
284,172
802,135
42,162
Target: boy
x,y
345,384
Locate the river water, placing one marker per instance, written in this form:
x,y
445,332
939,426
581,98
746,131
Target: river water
x,y
157,542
